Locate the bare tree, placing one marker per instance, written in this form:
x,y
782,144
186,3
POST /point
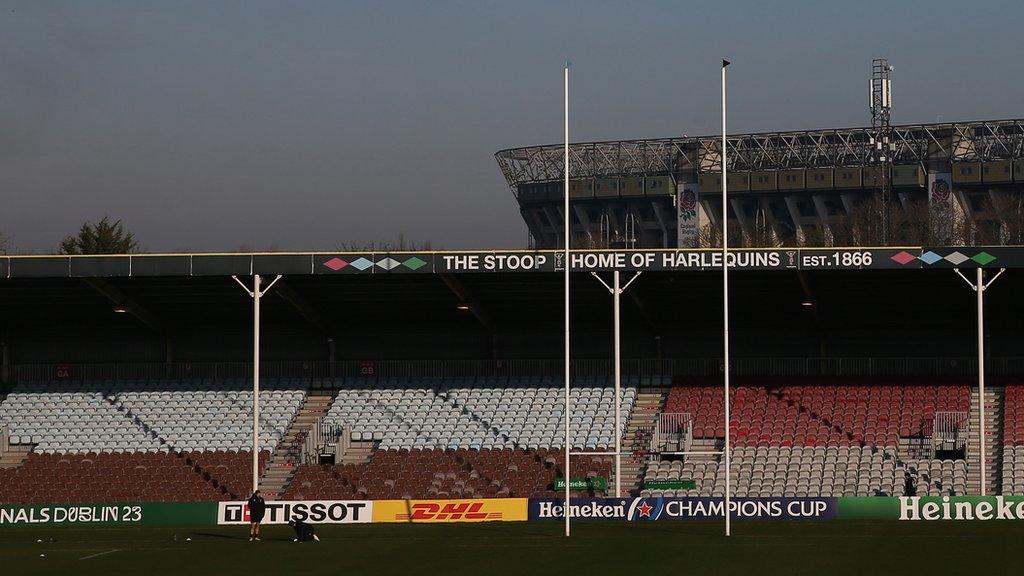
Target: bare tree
x,y
401,245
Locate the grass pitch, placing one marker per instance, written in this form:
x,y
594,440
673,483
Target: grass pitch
x,y
494,549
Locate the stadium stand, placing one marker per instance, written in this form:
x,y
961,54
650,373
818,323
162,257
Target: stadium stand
x,y
478,414
819,439
433,438
1013,441
134,440
151,416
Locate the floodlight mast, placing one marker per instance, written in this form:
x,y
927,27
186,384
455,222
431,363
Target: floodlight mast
x,y
566,265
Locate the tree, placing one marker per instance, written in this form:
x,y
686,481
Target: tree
x,y
5,244
103,237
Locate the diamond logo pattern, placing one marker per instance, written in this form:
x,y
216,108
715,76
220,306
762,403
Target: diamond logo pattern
x,y
957,258
414,263
362,264
903,257
388,263
335,264
983,258
930,257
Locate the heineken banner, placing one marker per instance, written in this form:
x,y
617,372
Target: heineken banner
x,y
658,508
581,483
687,215
916,509
931,508
940,205
165,513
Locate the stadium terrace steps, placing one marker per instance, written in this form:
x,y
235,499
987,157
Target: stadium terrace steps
x,y
648,407
994,402
287,457
15,455
358,452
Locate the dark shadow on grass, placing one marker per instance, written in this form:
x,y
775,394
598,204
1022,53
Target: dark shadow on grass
x,y
223,536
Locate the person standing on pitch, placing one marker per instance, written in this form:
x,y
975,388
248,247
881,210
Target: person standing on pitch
x,y
257,508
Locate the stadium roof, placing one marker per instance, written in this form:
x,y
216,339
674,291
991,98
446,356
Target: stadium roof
x,y
971,141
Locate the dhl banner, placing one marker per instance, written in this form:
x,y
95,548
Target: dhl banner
x,y
480,510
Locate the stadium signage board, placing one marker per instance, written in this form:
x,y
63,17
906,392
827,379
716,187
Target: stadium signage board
x,y
165,513
319,263
661,508
311,511
582,483
433,511
932,508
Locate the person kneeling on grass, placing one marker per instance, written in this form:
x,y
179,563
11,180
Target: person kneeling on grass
x,y
257,508
303,532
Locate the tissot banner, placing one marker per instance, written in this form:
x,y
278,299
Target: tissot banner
x,y
311,511
657,508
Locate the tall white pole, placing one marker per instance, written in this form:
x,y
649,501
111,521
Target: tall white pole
x,y
618,386
725,308
980,289
567,265
256,382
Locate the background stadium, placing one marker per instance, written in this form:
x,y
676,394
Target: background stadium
x,y
405,388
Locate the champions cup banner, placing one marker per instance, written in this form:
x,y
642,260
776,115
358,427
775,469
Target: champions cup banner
x,y
310,511
657,508
433,511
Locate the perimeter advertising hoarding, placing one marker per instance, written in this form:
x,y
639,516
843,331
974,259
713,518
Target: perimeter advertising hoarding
x,y
433,511
657,508
153,513
311,511
933,508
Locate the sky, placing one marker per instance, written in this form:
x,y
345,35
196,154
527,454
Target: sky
x,y
211,126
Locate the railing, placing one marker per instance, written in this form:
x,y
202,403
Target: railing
x,y
673,433
950,431
324,438
643,371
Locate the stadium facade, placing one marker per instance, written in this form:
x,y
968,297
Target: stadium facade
x,y
785,188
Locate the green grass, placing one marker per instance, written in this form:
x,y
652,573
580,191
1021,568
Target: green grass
x,y
492,549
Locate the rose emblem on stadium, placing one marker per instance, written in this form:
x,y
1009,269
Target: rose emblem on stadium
x,y
940,190
687,205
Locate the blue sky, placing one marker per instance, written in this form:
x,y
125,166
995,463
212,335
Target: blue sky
x,y
307,125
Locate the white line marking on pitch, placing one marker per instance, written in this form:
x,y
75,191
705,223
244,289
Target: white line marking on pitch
x,y
99,554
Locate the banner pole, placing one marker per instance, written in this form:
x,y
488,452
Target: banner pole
x,y
980,289
256,382
618,386
567,265
725,306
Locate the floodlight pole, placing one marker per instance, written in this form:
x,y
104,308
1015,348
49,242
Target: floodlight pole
x,y
725,306
979,286
567,265
616,293
256,294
